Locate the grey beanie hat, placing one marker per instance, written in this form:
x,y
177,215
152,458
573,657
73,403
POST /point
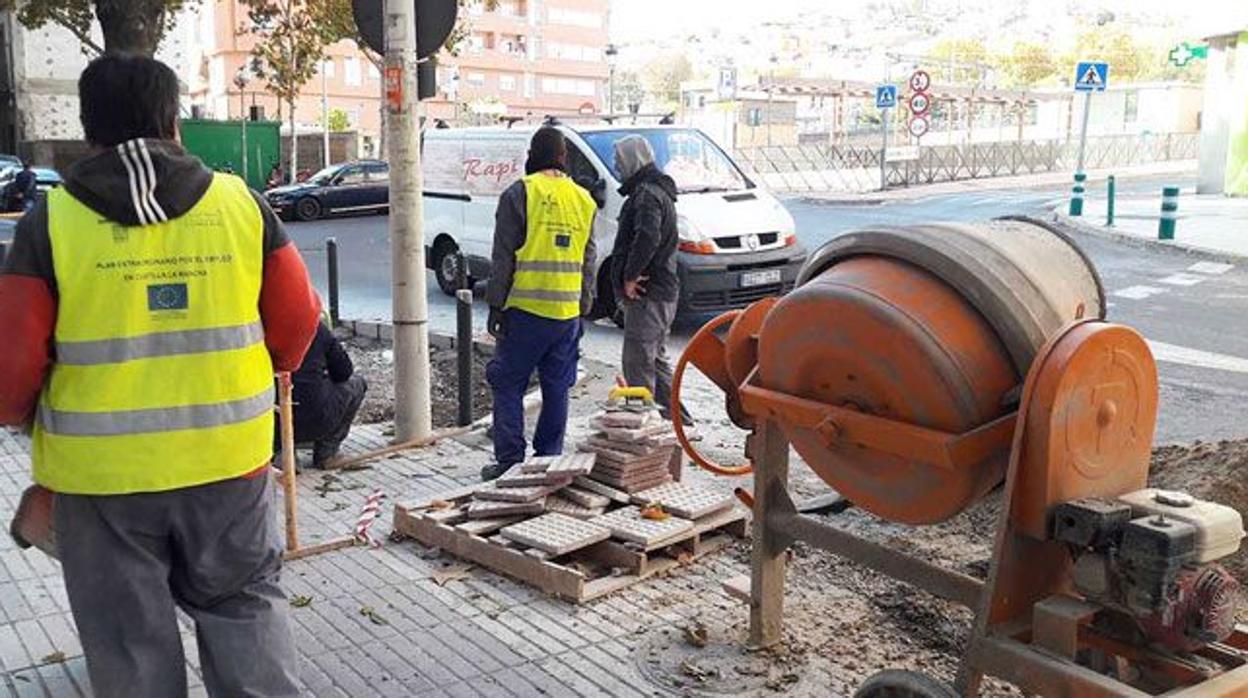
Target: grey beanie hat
x,y
631,154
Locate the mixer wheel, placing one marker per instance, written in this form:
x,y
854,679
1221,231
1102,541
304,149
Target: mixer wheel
x,y
902,683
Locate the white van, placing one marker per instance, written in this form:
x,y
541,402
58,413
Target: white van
x,y
737,243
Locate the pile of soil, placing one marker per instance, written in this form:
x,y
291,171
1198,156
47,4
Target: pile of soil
x,y
374,360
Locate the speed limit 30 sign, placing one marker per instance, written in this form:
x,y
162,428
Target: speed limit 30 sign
x,y
920,81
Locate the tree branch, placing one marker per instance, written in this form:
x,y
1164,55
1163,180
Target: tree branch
x,y
84,37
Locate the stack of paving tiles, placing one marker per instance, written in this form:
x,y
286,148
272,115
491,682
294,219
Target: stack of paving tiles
x,y
634,446
533,487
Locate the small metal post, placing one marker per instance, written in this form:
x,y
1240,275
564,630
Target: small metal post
x,y
1110,191
1169,213
4,252
463,341
1076,195
331,255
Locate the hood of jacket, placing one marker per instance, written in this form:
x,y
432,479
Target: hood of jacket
x,y
139,182
650,174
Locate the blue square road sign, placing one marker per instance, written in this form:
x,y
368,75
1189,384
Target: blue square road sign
x,y
1091,76
885,96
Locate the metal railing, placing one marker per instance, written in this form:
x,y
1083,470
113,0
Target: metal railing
x,y
827,168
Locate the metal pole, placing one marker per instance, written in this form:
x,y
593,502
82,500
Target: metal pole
x,y
463,340
294,130
245,151
410,306
1111,190
884,152
331,256
1083,130
325,114
1077,193
286,433
1169,213
4,252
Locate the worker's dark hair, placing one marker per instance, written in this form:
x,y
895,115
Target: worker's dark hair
x,y
547,151
124,96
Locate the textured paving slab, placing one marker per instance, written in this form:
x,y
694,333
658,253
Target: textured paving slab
x,y
530,493
556,533
592,485
493,510
627,524
585,498
572,465
684,500
560,505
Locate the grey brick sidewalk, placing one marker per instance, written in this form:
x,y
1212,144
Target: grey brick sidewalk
x,y
483,636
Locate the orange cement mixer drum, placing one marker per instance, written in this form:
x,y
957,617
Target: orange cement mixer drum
x,y
884,337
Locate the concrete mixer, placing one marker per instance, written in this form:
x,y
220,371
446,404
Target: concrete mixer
x,y
918,369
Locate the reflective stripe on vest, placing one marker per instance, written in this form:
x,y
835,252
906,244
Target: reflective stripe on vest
x,y
548,277
161,379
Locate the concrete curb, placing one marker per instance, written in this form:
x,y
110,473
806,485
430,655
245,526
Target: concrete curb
x,y
1172,246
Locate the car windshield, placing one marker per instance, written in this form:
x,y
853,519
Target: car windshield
x,y
686,155
325,175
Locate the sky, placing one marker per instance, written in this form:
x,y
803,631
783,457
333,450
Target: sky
x,y
633,19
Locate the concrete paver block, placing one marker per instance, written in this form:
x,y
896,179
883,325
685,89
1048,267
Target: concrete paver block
x,y
555,533
627,524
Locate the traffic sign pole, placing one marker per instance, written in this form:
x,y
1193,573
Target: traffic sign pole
x,y
1083,130
412,417
884,152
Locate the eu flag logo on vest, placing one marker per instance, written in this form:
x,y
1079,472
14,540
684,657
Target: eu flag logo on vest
x,y
167,297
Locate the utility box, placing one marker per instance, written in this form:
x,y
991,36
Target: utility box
x,y
219,144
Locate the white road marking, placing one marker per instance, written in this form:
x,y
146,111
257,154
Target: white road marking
x,y
1214,268
1184,280
1139,293
1173,354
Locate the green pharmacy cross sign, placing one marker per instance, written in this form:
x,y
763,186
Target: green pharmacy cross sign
x,y
1184,53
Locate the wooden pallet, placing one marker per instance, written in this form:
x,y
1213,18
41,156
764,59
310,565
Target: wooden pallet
x,y
582,575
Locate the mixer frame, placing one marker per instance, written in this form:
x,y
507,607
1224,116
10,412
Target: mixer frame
x,y
1092,378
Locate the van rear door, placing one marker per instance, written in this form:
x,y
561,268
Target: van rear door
x,y
492,161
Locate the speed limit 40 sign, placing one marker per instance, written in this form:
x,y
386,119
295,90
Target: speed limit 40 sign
x,y
919,103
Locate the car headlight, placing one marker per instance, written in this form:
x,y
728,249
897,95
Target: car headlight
x,y
691,238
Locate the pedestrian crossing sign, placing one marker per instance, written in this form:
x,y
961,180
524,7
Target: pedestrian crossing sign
x,y
1091,76
885,96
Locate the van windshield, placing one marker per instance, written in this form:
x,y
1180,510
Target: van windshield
x,y
686,155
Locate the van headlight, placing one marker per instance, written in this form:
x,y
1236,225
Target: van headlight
x,y
692,239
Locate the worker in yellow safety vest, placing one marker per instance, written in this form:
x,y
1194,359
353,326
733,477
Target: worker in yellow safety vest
x,y
541,285
145,305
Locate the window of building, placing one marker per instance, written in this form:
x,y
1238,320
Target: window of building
x,y
573,52
351,68
568,86
373,73
530,86
476,43
329,66
507,83
475,79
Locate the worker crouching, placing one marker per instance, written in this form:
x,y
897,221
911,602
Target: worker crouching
x,y
147,303
541,284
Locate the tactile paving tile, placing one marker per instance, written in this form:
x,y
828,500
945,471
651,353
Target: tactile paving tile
x,y
494,510
640,448
514,494
684,500
514,479
642,433
627,524
537,464
627,420
566,506
570,466
585,498
555,533
588,483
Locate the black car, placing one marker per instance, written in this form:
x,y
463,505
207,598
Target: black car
x,y
353,187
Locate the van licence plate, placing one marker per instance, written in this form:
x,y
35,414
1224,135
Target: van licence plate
x,y
760,278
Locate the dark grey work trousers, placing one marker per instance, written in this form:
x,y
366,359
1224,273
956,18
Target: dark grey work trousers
x,y
211,550
647,324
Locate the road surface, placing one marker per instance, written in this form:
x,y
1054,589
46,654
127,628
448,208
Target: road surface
x,y
1196,314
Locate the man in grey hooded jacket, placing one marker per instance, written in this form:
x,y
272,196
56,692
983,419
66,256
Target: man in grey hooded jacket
x,y
643,268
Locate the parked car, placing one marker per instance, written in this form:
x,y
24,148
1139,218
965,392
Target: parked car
x,y
352,187
738,244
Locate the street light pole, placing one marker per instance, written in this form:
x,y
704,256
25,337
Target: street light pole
x,y
325,114
611,52
412,418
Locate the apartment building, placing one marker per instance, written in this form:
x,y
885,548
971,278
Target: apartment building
x,y
524,57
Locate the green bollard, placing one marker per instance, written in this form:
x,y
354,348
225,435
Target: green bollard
x,y
1076,196
1110,189
1169,213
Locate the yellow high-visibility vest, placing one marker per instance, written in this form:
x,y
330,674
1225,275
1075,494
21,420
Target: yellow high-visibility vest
x,y
161,378
548,277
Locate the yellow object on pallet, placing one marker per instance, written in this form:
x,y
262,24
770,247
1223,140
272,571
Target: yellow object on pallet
x,y
631,394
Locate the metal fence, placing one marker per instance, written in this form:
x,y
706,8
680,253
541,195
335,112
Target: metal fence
x,y
820,168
